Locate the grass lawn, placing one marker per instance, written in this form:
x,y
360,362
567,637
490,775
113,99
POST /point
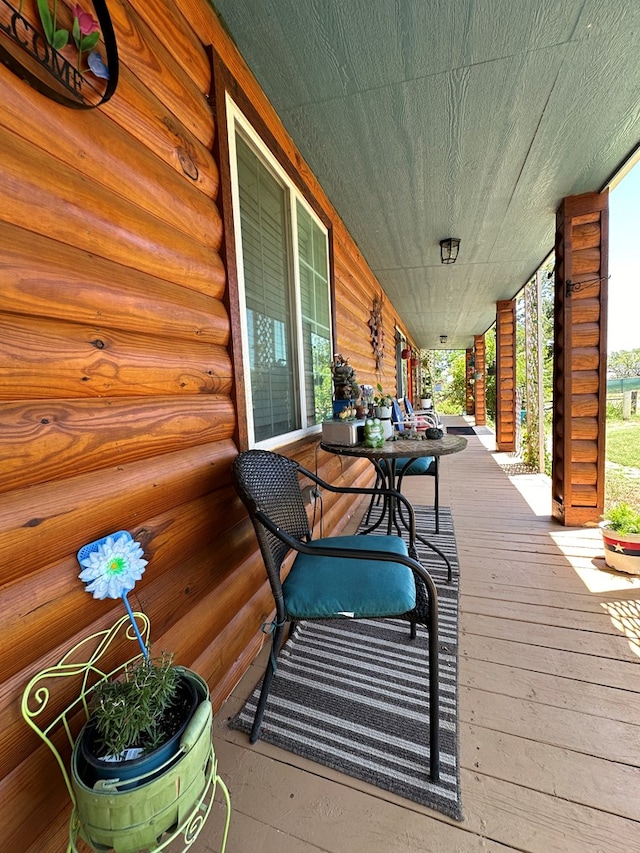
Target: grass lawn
x,y
623,442
623,449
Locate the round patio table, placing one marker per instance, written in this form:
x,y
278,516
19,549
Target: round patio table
x,y
384,460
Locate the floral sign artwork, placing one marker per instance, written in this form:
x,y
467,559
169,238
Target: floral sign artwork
x,y
86,35
68,54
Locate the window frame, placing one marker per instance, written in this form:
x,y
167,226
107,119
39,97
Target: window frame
x,y
237,121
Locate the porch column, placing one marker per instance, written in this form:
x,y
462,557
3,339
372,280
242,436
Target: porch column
x,y
506,375
479,386
580,363
468,387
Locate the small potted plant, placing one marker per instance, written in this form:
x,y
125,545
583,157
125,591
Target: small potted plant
x,y
137,721
426,401
346,389
382,403
621,536
382,410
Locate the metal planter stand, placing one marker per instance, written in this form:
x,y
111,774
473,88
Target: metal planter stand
x,y
162,808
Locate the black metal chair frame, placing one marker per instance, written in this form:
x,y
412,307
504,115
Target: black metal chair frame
x,y
269,486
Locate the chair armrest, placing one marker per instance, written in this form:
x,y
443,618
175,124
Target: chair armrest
x,y
359,490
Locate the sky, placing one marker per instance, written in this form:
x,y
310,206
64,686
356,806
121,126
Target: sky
x,y
624,264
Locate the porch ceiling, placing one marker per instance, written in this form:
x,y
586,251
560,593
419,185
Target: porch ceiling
x,y
426,119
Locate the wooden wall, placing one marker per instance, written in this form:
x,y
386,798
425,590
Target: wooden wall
x,y
117,387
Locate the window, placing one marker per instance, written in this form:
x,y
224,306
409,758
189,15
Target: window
x,y
283,276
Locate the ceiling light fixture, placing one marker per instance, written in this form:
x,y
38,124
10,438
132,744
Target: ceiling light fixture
x,y
443,339
449,250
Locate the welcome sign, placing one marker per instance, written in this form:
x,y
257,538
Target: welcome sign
x,y
65,53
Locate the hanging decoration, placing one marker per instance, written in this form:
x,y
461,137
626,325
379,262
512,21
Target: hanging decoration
x,y
377,331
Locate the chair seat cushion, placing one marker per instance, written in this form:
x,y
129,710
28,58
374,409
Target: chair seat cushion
x,y
319,587
419,466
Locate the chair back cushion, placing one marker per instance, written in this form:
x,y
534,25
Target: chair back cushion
x,y
319,587
396,416
415,466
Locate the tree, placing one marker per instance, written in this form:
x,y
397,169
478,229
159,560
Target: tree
x,y
624,364
449,378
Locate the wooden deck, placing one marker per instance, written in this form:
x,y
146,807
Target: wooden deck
x,y
549,701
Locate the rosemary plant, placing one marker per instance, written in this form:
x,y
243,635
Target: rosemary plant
x,y
131,713
622,519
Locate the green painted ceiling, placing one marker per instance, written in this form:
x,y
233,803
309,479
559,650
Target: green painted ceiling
x,y
425,119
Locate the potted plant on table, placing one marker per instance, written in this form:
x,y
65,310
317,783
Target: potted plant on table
x,y
382,410
346,389
621,536
382,403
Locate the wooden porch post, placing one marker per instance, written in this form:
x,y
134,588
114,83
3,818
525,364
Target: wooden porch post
x,y
479,386
469,401
580,363
506,375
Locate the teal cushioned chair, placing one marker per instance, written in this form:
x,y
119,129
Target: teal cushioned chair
x,y
337,577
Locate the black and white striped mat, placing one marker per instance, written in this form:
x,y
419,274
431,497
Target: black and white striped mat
x,y
353,694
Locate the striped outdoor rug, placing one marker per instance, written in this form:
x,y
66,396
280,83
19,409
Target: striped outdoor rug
x,y
353,694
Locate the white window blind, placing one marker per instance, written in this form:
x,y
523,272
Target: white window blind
x,y
285,289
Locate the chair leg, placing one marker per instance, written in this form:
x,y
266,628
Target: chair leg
x,y
434,694
375,500
436,495
266,683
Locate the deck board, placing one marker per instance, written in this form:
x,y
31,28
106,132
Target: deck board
x,y
549,700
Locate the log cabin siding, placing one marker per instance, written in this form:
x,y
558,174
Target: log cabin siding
x,y
580,358
120,388
506,376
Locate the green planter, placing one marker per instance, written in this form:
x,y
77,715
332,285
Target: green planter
x,y
134,819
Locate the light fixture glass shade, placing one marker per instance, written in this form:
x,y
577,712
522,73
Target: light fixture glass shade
x,y
443,339
449,250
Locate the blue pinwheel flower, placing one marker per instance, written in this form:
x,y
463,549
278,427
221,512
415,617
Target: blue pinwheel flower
x,y
114,567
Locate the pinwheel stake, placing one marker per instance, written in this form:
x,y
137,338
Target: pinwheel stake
x,y
110,568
